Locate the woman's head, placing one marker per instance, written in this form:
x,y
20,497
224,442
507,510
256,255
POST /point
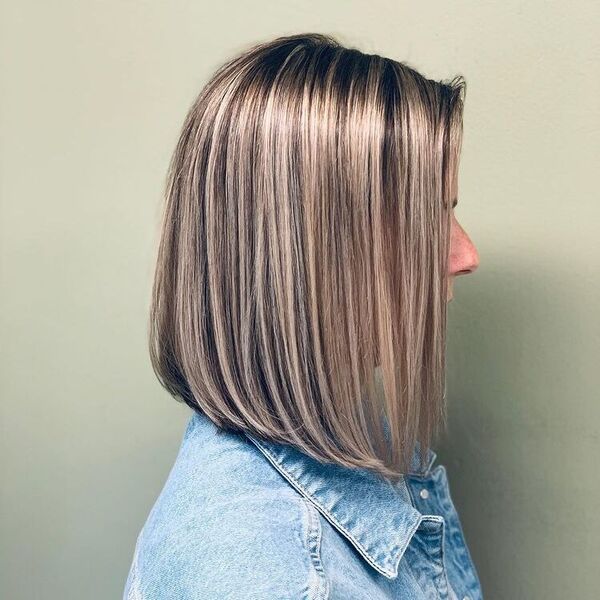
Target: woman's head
x,y
305,243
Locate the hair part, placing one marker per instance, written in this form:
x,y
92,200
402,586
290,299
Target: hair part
x,y
304,245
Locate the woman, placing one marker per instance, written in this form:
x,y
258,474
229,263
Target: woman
x,y
299,307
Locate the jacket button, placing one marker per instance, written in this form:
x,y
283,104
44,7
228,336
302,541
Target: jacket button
x,y
425,494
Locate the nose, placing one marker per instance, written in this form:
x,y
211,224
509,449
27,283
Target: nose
x,y
464,258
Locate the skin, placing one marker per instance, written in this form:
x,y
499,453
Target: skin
x,y
463,258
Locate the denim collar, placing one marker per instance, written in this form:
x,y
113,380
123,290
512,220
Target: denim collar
x,y
375,515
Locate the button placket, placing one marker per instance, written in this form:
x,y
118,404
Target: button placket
x,y
427,557
430,494
426,499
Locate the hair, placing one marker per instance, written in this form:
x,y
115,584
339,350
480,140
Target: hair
x,y
304,246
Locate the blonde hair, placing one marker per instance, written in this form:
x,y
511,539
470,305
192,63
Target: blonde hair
x,y
304,244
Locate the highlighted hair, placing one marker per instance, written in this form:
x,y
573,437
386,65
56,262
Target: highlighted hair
x,y
304,246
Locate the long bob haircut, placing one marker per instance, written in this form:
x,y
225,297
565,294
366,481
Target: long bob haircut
x,y
304,247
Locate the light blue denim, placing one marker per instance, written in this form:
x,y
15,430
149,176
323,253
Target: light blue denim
x,y
245,519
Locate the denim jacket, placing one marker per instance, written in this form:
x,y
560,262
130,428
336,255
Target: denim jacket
x,y
240,518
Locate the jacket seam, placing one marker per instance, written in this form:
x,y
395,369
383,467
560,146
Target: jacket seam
x,y
318,587
444,559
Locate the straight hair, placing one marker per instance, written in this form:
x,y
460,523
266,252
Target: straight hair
x,y
304,248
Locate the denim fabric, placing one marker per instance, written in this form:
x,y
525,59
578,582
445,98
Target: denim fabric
x,y
246,519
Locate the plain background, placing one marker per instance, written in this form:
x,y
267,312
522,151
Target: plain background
x,y
93,95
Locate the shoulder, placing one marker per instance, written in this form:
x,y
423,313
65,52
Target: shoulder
x,y
226,525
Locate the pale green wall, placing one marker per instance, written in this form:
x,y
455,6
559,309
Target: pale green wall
x,y
92,98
